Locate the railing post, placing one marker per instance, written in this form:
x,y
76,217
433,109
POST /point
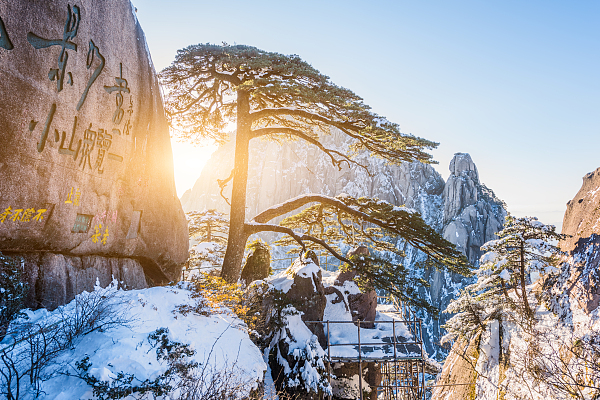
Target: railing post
x,y
359,364
329,360
422,359
395,390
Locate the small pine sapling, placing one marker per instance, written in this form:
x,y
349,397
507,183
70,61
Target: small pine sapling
x,y
12,291
524,246
208,231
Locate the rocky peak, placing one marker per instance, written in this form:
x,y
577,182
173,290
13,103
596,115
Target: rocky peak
x,y
472,213
462,164
461,187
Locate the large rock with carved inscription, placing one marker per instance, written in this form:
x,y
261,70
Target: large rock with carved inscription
x,y
86,174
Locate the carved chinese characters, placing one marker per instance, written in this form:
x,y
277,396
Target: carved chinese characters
x,y
73,198
86,144
88,147
93,53
18,215
70,31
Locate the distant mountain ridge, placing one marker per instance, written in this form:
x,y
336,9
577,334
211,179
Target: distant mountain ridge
x,y
466,212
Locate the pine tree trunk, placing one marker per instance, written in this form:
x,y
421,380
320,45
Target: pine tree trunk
x,y
236,243
523,290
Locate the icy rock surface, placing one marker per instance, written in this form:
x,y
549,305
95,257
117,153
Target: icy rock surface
x,y
462,209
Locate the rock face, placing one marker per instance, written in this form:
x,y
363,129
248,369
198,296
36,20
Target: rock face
x,y
87,185
461,376
584,282
582,224
471,214
582,217
281,171
462,209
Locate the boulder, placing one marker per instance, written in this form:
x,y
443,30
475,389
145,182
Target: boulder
x,y
307,294
362,306
258,263
85,158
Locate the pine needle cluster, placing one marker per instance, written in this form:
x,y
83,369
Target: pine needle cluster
x,y
380,225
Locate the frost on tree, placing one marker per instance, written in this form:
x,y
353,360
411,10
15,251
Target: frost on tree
x,y
525,248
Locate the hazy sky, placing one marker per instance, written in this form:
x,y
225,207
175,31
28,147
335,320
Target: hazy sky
x,y
514,83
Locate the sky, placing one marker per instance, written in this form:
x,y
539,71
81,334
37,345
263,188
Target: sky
x,y
514,83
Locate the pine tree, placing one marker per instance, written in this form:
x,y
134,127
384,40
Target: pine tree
x,y
524,245
270,95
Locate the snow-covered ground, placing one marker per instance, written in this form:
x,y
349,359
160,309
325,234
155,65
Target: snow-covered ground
x,y
220,343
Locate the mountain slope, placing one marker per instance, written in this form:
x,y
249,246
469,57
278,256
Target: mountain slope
x,y
462,209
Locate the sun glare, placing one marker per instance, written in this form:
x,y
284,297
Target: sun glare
x,y
188,161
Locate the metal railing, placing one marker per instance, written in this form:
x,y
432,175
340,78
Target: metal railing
x,y
403,374
326,261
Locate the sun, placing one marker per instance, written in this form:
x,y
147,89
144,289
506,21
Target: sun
x,y
188,161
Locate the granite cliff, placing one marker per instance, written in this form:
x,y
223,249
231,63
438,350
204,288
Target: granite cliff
x,y
86,188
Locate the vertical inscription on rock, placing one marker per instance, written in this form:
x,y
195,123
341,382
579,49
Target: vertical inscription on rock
x,y
69,33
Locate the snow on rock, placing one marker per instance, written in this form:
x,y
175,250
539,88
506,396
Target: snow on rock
x,y
295,352
304,268
219,341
